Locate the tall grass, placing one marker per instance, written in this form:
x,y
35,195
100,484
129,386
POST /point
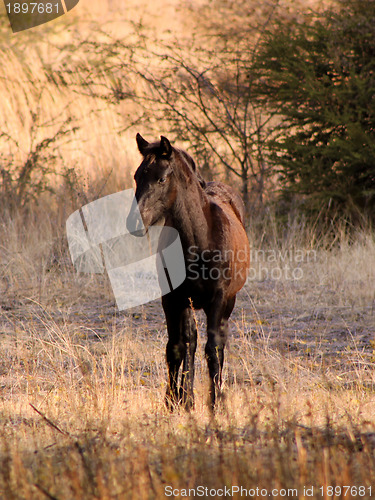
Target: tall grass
x,y
34,109
101,430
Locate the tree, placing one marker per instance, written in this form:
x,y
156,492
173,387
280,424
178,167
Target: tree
x,y
201,89
206,103
196,90
319,76
23,182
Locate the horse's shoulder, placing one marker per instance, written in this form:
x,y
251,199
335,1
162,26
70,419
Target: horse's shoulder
x,y
223,194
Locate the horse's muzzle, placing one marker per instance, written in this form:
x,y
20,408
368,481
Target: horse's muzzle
x,y
134,222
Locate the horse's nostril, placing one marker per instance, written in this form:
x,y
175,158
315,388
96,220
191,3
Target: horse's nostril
x,y
139,232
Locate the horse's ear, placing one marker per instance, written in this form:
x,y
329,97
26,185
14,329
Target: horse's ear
x,y
165,147
142,144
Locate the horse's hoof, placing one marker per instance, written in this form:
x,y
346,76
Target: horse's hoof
x,y
170,405
188,404
171,402
187,400
216,402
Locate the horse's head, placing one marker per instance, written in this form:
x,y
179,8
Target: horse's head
x,y
155,186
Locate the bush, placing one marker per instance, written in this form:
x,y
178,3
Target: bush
x,y
319,75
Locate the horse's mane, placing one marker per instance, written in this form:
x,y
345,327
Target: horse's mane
x,y
217,191
191,163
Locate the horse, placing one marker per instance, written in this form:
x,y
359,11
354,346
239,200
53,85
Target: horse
x,y
209,218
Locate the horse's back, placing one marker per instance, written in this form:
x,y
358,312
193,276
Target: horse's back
x,y
223,194
229,235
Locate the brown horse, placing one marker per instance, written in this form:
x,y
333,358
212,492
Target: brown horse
x,y
209,220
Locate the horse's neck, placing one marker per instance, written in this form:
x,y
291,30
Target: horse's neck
x,y
191,218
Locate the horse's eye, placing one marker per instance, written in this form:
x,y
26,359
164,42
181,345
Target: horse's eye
x,y
162,180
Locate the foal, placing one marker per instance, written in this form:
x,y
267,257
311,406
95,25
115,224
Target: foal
x,y
209,220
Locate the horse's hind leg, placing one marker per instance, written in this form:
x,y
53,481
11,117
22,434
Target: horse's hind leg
x,y
189,335
217,334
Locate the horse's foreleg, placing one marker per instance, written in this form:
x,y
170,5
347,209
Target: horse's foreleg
x,y
189,335
175,354
176,349
217,334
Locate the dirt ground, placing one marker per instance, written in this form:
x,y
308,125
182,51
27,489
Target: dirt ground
x,y
299,320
